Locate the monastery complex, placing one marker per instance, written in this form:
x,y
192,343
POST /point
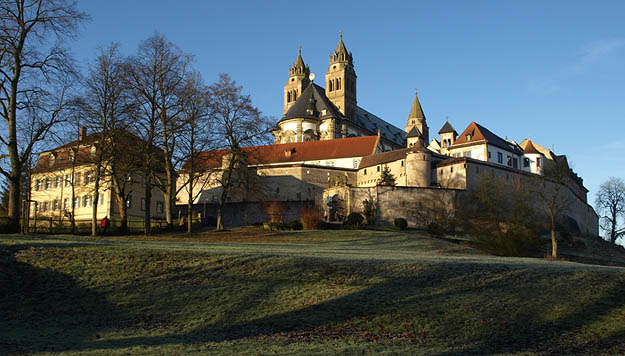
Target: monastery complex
x,y
331,152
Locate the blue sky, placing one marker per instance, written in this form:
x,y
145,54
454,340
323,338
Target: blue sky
x,y
552,71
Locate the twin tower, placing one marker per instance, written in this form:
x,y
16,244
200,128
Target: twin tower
x,y
340,81
340,90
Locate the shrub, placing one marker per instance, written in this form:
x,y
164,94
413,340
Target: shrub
x,y
435,229
354,219
275,211
513,243
311,218
294,225
401,223
369,207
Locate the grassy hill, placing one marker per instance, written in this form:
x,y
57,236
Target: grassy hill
x,y
329,292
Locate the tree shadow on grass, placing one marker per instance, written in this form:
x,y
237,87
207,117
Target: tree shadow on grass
x,y
421,292
501,327
44,310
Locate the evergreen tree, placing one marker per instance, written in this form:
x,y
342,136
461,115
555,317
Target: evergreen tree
x,y
387,178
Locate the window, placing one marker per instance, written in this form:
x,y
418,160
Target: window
x,y
45,206
159,207
488,154
526,162
538,162
68,180
466,154
451,169
142,204
88,178
509,161
57,182
515,163
378,168
55,204
76,202
402,162
365,171
100,199
37,207
469,137
356,163
66,203
37,185
77,179
48,184
499,157
86,200
330,163
129,201
278,189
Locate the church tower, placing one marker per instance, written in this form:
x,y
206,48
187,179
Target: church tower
x,y
341,81
416,120
298,81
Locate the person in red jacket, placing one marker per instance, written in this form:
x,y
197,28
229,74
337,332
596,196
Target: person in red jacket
x,y
104,224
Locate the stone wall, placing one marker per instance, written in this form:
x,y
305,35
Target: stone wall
x,y
243,213
412,203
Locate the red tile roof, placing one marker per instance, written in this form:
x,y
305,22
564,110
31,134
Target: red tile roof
x,y
300,151
479,133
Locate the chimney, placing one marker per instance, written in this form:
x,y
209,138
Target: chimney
x,y
82,133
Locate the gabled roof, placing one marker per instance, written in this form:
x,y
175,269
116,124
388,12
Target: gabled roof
x,y
298,152
414,132
61,157
530,148
416,112
447,128
476,133
313,97
544,151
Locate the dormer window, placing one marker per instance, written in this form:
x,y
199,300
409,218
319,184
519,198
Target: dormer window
x,y
469,137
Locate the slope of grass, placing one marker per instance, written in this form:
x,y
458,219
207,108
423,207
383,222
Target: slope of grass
x,y
314,293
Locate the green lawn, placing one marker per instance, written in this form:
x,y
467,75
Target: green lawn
x,y
310,293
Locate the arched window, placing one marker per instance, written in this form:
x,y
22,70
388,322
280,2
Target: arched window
x,y
288,96
294,95
331,84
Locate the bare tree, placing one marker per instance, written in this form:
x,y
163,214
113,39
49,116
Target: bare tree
x,y
195,144
551,190
237,124
35,71
106,105
610,203
159,73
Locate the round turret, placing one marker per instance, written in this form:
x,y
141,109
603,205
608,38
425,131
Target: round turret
x,y
418,166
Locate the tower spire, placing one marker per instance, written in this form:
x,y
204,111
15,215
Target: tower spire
x,y
416,118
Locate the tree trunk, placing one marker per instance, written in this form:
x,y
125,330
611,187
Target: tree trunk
x,y
554,241
94,201
613,233
148,201
170,198
14,200
190,202
73,216
189,216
